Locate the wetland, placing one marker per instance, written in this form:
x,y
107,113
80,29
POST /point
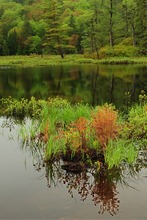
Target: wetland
x,y
37,181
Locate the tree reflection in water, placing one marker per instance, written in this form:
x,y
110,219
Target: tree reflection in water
x,y
104,192
98,184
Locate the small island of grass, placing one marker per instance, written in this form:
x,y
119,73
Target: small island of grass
x,y
80,135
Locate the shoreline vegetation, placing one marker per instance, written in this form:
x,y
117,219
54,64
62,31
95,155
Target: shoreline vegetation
x,y
80,135
44,60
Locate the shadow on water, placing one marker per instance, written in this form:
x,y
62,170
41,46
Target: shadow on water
x,y
100,185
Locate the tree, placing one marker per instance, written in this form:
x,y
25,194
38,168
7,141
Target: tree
x,y
129,17
111,24
56,31
12,42
141,25
23,37
35,44
72,26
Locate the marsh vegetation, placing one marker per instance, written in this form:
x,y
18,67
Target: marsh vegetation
x,y
80,134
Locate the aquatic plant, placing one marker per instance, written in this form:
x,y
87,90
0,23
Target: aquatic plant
x,y
105,126
79,133
119,151
22,108
54,149
136,125
80,126
143,98
76,140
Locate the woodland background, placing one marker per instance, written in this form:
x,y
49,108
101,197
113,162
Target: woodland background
x,y
97,28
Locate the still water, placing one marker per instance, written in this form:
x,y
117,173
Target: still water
x,y
27,190
93,84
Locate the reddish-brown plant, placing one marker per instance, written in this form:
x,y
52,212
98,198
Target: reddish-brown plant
x,y
80,125
45,136
104,125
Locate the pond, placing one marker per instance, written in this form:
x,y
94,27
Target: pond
x,y
93,84
30,190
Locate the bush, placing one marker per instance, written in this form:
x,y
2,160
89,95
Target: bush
x,y
138,122
127,41
118,51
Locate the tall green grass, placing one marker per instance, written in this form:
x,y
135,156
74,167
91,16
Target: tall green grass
x,y
119,151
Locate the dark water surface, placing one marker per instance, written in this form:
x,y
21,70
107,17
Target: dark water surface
x,y
93,84
25,193
26,189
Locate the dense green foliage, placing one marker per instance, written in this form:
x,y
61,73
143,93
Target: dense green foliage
x,y
97,28
80,133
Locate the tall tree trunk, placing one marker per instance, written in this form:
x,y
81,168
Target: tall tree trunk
x,y
111,24
94,39
60,49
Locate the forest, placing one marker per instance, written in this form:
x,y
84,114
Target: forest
x,y
95,28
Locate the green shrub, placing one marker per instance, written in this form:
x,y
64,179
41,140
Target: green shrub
x,y
138,122
118,51
127,41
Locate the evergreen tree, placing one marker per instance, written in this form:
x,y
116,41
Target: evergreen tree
x,y
56,32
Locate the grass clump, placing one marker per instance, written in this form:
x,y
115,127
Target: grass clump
x,y
20,109
79,133
135,127
119,151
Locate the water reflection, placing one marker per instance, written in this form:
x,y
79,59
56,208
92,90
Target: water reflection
x,y
100,185
93,84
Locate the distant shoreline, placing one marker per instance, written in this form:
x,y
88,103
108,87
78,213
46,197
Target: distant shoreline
x,y
45,60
